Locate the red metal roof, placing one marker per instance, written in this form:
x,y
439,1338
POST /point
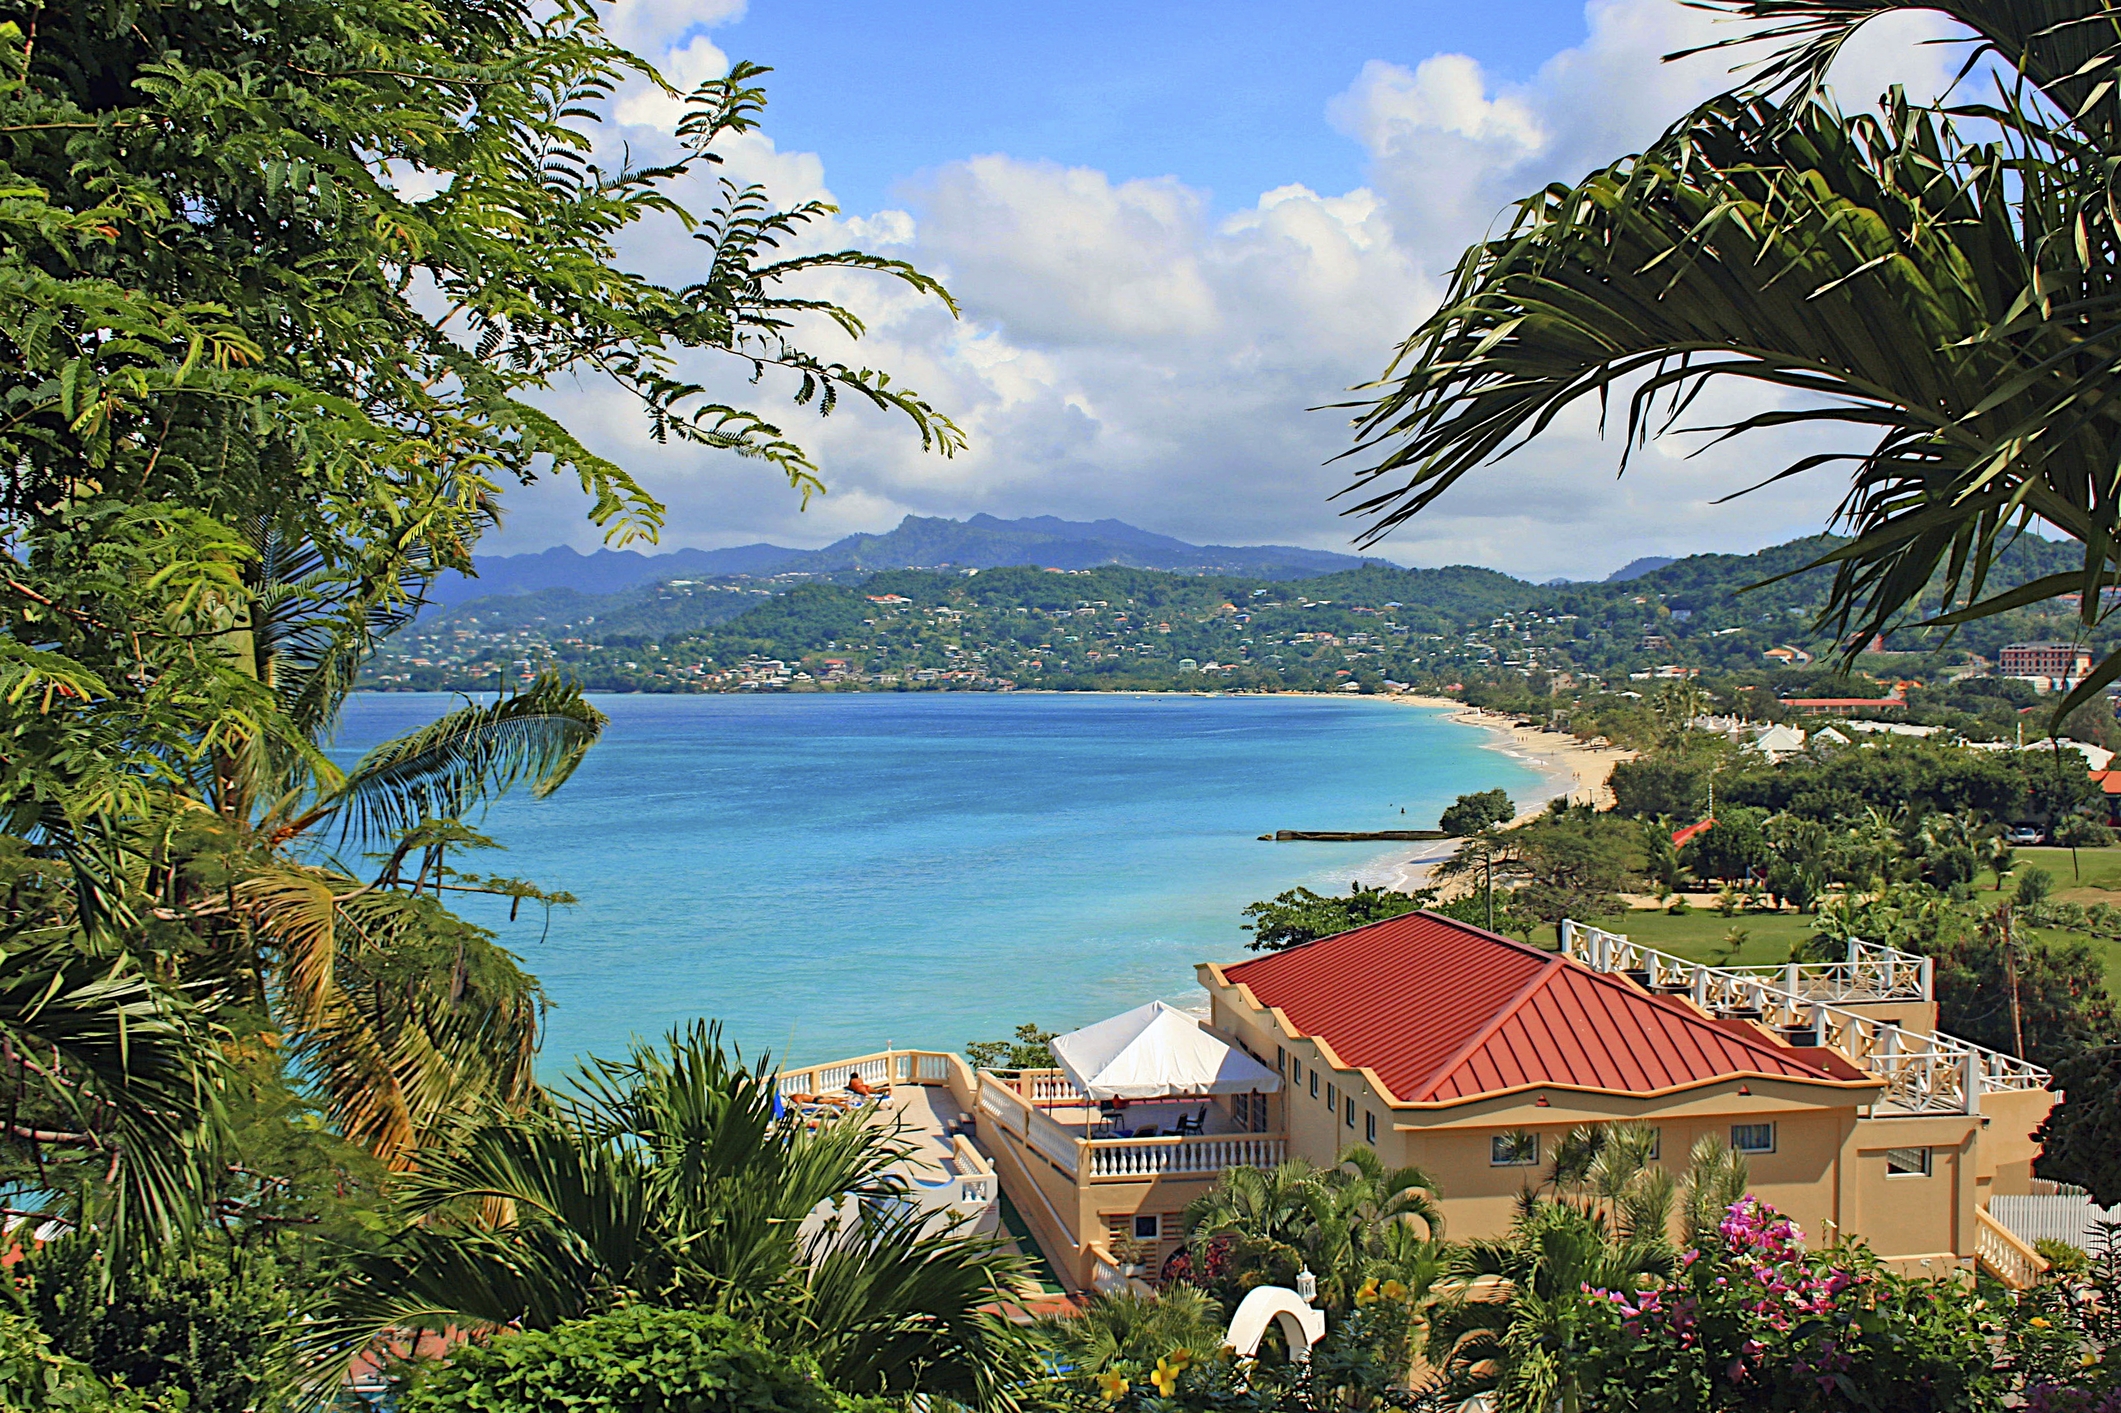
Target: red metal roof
x,y
1441,1012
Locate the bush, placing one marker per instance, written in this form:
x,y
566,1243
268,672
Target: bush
x,y
1469,814
1753,1321
2034,884
34,1378
641,1359
2077,832
211,1323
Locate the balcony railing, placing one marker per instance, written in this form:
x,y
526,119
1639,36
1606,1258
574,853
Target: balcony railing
x,y
884,1067
1870,973
1923,1073
2000,1249
1088,1159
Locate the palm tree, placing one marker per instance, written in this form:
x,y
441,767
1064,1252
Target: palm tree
x,y
667,1178
1611,1172
1506,1325
408,1017
1123,1327
1934,289
1347,1224
114,1086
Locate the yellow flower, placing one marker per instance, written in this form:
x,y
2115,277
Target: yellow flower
x,y
2039,1322
1367,1295
1169,1368
1392,1290
2090,1359
1113,1386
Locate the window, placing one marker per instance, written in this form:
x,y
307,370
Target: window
x,y
1314,1084
1513,1150
1369,1127
1332,1099
1145,1227
1351,1111
1281,1059
1656,1144
1907,1162
1753,1138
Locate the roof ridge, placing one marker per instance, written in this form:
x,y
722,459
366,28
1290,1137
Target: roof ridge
x,y
1550,966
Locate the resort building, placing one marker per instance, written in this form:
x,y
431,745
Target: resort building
x,y
2063,662
1469,1054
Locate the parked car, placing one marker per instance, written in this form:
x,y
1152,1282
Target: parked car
x,y
2025,834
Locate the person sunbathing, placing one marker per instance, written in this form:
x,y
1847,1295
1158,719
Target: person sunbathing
x,y
863,1089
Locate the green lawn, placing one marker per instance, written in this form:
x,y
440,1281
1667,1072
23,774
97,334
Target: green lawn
x,y
1704,935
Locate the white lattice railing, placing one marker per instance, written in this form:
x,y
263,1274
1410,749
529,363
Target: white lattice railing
x,y
1870,973
2000,1249
883,1068
1923,1073
1168,1157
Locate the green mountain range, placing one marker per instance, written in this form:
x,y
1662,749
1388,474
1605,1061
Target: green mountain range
x,y
1127,628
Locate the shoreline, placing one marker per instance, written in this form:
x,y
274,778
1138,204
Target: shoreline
x,y
1573,769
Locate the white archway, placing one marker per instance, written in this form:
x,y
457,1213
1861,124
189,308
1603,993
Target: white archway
x,y
1302,1323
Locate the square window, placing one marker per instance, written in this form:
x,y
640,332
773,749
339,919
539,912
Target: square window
x,y
1351,1113
1314,1084
1907,1162
1513,1150
1753,1138
1369,1127
1145,1227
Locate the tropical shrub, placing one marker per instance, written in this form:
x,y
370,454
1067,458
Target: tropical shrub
x,y
35,1378
1750,1320
200,1319
640,1359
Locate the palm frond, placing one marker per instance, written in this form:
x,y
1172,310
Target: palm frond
x,y
451,766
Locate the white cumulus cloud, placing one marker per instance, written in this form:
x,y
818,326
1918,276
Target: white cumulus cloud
x,y
1126,351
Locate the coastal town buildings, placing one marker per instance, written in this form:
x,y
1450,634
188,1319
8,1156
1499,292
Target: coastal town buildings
x,y
1471,1055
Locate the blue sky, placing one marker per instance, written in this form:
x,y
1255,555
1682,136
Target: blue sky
x,y
1228,97
1175,231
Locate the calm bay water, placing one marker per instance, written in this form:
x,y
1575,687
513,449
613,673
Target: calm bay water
x,y
829,873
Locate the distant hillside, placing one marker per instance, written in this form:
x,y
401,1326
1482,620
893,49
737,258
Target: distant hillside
x,y
1132,628
919,542
1636,568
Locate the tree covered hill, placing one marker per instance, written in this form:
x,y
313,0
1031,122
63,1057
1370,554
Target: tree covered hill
x,y
932,542
1132,628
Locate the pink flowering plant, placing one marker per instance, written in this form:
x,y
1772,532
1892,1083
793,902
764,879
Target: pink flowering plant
x,y
1751,1320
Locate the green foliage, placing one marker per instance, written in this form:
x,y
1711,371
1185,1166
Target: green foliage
x,y
206,1320
1300,915
1354,1225
1659,785
36,1379
1470,814
636,1359
666,1177
1029,1050
1754,1321
2061,1340
2080,1140
2034,886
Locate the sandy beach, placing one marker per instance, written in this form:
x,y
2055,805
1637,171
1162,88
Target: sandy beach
x,y
1573,769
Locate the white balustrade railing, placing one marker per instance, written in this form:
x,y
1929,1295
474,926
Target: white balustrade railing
x,y
1924,1073
1169,1157
886,1067
1050,1089
2003,1251
1086,1158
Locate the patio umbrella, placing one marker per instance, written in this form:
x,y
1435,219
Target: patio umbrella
x,y
1157,1052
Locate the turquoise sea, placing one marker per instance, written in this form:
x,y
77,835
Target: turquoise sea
x,y
831,873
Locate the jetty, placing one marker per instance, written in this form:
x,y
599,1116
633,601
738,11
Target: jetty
x,y
1351,836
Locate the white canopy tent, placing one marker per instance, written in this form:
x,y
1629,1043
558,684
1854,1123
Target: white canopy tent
x,y
1157,1052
